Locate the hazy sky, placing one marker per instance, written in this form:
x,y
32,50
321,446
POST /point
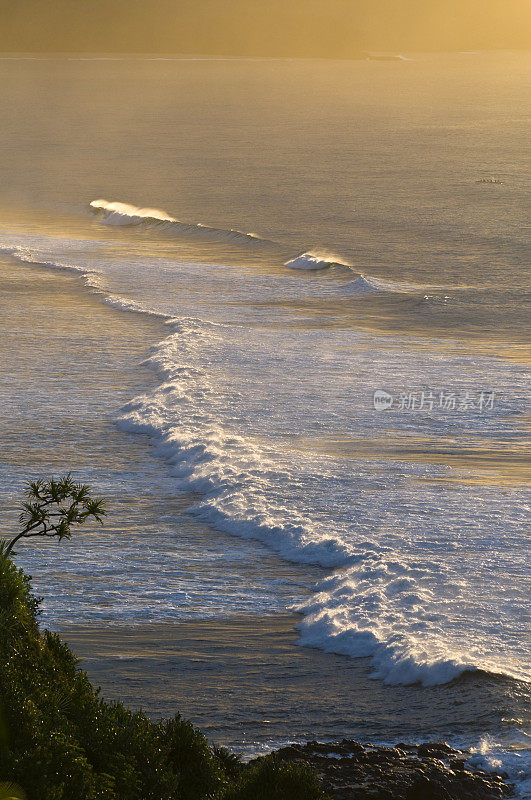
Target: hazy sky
x,y
332,28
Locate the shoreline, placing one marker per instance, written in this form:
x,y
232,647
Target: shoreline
x,y
430,771
248,684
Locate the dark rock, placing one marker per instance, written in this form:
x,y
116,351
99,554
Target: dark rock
x,y
457,764
350,770
435,750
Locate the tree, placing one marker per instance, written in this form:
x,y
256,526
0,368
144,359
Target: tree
x,y
53,506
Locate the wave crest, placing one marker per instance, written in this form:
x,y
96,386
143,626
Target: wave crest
x,y
123,214
115,213
310,261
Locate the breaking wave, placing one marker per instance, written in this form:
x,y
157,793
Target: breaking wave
x,y
363,284
312,261
383,600
377,603
124,214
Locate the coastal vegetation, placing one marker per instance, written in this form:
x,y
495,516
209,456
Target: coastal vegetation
x,y
53,506
60,740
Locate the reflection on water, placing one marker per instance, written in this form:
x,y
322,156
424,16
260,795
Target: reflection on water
x,y
248,687
404,184
69,362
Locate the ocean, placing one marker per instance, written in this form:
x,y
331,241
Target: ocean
x,y
319,400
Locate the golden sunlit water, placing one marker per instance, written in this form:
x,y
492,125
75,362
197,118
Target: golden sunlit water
x,y
276,311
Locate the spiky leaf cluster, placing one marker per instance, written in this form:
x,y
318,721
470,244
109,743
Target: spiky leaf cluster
x,y
53,506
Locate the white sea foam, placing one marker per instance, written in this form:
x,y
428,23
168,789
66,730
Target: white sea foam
x,y
311,261
394,595
125,214
34,255
36,250
515,761
427,575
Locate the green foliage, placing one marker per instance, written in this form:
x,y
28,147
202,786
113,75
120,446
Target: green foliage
x,y
190,756
230,762
10,791
52,507
60,741
271,779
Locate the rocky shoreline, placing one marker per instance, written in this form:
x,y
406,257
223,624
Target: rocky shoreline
x,y
432,771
